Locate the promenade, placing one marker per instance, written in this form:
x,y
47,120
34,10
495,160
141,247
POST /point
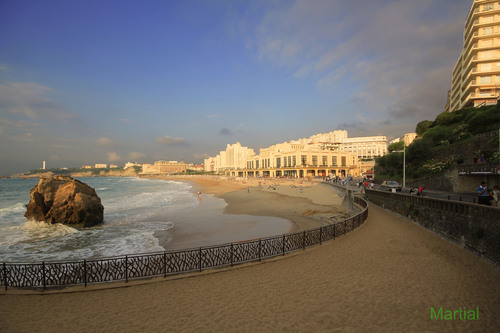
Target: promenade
x,y
383,277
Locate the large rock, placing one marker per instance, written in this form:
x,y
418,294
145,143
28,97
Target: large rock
x,y
62,199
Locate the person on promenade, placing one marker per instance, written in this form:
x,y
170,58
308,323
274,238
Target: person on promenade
x,y
496,196
420,191
482,192
482,160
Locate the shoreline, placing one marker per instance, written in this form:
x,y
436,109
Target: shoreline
x,y
233,210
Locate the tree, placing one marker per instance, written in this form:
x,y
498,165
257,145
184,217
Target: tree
x,y
418,151
445,119
438,134
396,146
422,127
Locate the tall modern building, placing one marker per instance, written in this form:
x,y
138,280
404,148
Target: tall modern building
x,y
476,75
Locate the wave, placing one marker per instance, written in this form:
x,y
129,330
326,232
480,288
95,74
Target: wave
x,y
18,207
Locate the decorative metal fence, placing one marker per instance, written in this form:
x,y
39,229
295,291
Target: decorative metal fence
x,y
53,274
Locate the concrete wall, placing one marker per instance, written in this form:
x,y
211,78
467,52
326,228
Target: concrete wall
x,y
460,179
473,226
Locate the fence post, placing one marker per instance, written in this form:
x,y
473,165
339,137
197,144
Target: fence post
x,y
5,280
232,250
164,263
43,274
199,254
85,272
126,268
283,244
260,247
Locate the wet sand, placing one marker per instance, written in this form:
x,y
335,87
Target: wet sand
x,y
383,277
244,210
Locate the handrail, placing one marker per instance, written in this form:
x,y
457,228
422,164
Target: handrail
x,y
166,263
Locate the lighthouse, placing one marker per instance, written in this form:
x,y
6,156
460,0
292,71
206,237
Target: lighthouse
x,y
43,165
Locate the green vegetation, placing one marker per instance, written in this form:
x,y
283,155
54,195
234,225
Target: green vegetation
x,y
449,129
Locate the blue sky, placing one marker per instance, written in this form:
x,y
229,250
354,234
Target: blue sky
x,y
83,82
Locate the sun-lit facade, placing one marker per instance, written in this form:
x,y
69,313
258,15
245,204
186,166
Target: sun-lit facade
x,y
321,155
476,75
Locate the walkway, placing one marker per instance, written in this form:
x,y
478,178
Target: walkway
x,y
383,277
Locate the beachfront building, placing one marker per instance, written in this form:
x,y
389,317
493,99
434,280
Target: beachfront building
x,y
364,147
407,138
476,75
233,158
299,160
323,154
164,167
100,166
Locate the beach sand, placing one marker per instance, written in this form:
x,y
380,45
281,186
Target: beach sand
x,y
246,210
383,277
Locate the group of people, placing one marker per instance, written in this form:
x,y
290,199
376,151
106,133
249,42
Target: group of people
x,y
419,191
489,198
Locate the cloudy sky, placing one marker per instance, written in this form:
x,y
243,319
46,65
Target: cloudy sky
x,y
101,81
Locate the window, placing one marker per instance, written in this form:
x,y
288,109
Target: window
x,y
334,160
315,160
486,67
303,159
289,160
344,160
325,161
488,31
487,7
257,164
485,79
486,55
278,162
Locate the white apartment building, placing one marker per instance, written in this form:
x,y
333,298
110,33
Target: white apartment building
x,y
476,75
234,157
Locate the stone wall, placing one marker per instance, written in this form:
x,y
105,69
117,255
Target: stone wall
x,y
460,179
473,226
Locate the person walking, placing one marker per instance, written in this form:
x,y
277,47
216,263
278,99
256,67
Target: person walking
x,y
496,196
482,192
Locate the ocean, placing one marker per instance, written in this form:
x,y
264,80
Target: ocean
x,y
134,209
140,216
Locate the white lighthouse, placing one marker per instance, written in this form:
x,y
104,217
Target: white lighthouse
x,y
43,165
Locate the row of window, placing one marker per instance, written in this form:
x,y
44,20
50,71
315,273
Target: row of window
x,y
291,161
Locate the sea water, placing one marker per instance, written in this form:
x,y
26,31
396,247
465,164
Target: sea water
x,y
134,209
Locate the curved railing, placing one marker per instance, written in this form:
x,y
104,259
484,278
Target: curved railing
x,y
125,268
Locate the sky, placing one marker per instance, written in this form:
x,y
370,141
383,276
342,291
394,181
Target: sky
x,y
100,81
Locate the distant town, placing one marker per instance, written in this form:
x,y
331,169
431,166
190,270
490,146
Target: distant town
x,y
331,154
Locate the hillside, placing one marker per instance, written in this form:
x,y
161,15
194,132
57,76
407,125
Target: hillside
x,y
453,138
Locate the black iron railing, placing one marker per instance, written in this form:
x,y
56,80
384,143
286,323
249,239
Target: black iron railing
x,y
125,268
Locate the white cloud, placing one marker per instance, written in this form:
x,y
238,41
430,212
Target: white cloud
x,y
30,100
389,51
105,142
135,156
168,140
113,157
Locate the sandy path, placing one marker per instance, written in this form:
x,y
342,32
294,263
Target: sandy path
x,y
383,277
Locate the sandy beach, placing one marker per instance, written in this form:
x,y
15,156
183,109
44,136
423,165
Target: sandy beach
x,y
250,209
383,277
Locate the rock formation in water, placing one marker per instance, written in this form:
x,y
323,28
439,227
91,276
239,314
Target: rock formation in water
x,y
62,199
